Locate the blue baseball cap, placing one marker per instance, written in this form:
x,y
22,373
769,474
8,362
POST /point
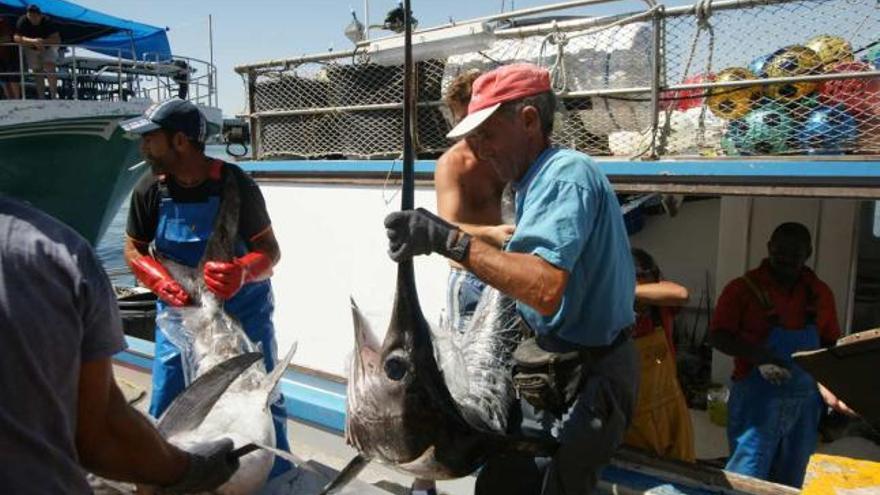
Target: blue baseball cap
x,y
173,115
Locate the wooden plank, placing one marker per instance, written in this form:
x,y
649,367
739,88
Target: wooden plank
x,y
696,475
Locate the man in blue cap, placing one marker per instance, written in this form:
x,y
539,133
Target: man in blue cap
x,y
173,210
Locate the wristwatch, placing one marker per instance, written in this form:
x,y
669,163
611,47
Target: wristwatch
x,y
457,245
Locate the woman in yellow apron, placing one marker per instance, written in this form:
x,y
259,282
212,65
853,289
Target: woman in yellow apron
x,y
661,423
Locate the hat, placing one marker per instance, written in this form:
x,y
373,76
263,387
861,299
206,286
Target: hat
x,y
34,8
492,89
174,115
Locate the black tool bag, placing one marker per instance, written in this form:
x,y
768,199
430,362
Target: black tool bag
x,y
549,381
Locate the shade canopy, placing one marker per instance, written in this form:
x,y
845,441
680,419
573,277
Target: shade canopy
x,y
97,31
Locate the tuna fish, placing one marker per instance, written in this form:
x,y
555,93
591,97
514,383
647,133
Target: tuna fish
x,y
207,337
400,410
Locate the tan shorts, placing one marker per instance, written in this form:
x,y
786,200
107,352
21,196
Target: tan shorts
x,y
36,59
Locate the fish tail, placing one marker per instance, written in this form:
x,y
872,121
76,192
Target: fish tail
x,y
275,377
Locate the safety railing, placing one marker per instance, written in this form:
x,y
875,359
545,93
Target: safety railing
x,y
715,79
73,72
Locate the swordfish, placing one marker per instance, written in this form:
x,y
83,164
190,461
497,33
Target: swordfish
x,y
400,411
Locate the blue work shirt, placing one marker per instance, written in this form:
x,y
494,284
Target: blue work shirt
x,y
567,213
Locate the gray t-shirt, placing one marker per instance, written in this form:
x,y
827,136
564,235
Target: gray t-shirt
x,y
57,310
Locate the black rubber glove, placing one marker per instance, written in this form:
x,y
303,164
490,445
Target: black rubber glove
x,y
210,465
415,232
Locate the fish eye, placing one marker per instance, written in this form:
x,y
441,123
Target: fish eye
x,y
395,368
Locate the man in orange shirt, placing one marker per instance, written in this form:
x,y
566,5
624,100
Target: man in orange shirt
x,y
761,318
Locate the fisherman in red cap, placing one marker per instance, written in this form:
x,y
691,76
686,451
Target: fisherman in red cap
x,y
568,265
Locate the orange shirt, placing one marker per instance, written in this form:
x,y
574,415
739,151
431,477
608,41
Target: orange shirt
x,y
738,310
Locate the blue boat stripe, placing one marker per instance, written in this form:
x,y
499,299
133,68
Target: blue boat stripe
x,y
666,169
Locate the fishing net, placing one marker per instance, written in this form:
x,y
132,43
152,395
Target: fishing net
x,y
204,333
672,82
345,108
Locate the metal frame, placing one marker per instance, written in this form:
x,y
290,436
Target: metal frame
x,y
656,93
129,74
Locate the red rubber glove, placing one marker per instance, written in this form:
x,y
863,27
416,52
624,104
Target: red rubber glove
x,y
225,279
152,274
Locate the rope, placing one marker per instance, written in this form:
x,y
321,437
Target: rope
x,y
703,13
385,184
560,39
557,70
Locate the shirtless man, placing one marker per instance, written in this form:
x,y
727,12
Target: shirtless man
x,y
468,195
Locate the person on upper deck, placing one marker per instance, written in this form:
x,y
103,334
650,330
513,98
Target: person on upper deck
x,y
568,265
761,319
10,61
60,409
172,213
661,423
38,35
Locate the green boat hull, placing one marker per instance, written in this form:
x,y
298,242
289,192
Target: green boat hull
x,y
78,170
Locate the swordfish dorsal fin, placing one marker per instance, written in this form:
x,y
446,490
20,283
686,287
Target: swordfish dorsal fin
x,y
275,377
189,409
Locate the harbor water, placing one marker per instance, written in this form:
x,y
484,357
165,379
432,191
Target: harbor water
x,y
110,246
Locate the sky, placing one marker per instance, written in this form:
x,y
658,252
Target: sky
x,y
254,30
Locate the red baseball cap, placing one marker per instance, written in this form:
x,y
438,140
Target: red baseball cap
x,y
494,88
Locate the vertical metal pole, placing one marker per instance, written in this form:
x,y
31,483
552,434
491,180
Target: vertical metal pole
x,y
408,196
854,251
366,20
23,88
817,235
119,73
256,149
750,215
656,67
158,79
74,69
212,84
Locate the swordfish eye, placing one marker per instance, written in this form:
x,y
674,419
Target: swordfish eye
x,y
395,368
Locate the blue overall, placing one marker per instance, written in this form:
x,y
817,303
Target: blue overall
x,y
462,296
181,235
773,429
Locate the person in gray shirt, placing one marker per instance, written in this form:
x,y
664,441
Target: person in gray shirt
x,y
61,412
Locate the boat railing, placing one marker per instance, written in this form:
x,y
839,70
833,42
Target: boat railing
x,y
730,78
81,74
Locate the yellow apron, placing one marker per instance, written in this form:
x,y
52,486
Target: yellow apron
x,y
661,423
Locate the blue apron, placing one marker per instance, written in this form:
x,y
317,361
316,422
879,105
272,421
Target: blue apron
x,y
772,430
182,234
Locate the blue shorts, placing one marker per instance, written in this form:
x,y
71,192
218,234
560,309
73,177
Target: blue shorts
x,y
462,296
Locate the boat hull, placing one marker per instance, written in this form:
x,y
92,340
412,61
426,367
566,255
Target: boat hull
x,y
70,159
